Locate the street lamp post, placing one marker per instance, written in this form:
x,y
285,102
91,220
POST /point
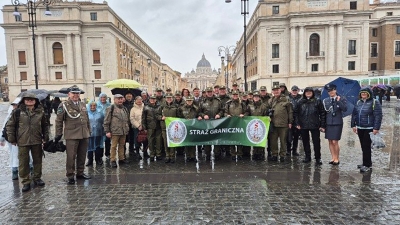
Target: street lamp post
x,y
20,84
32,5
227,56
244,12
150,80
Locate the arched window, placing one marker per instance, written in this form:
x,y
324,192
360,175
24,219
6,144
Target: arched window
x,y
58,56
314,45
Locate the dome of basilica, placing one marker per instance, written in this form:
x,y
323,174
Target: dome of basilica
x,y
203,62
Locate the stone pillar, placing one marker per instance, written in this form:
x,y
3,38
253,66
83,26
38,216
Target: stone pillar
x,y
70,57
302,52
292,49
339,48
331,47
78,56
41,60
364,53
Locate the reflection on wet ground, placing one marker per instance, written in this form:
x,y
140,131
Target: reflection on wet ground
x,y
217,192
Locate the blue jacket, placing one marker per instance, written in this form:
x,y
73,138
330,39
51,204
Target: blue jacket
x,y
367,114
334,112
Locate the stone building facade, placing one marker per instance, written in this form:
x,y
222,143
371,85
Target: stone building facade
x,y
203,77
81,43
4,82
304,42
384,39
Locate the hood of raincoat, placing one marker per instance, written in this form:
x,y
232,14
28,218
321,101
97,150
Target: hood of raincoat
x,y
368,91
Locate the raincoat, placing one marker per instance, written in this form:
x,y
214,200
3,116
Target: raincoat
x,y
100,106
96,119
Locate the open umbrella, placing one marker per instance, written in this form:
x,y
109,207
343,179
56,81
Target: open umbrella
x,y
59,95
123,91
66,90
381,86
122,83
347,88
40,93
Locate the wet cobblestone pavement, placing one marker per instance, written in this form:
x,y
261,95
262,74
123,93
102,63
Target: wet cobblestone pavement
x,y
220,192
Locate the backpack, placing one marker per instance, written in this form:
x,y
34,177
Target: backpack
x,y
4,132
126,111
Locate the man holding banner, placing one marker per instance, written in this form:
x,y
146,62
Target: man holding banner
x,y
171,110
257,108
190,111
212,109
152,126
281,112
235,107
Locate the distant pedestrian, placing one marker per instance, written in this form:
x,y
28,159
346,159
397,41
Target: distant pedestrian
x,y
334,106
116,127
310,117
28,128
366,118
96,140
73,120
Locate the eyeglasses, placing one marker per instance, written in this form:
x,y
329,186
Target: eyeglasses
x,y
29,99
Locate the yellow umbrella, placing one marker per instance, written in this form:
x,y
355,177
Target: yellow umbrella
x,y
122,83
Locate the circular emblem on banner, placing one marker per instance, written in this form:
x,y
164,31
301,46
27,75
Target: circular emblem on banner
x,y
176,132
256,131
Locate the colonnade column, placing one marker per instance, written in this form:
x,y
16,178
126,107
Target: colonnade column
x,y
302,53
78,54
339,48
70,58
292,50
331,47
43,76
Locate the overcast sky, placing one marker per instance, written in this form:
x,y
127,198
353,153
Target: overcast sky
x,y
179,31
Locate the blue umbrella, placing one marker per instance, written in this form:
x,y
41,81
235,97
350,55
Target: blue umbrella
x,y
345,88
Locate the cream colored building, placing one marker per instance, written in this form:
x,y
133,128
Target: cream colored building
x,y
203,77
169,78
81,43
384,39
304,43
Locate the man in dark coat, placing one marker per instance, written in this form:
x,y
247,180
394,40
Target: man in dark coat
x,y
310,117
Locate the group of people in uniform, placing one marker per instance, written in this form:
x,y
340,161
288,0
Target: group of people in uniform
x,y
101,128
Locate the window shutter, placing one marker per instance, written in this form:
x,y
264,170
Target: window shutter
x,y
97,74
21,57
96,56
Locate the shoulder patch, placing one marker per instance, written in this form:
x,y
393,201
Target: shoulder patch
x,y
60,110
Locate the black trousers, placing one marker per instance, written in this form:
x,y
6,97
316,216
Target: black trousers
x,y
315,135
98,155
365,140
293,139
107,146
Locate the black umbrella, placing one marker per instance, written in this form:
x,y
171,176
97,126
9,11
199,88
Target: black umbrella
x,y
53,147
66,90
59,95
123,91
40,93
